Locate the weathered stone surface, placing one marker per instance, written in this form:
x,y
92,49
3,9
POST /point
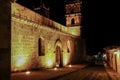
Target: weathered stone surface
x,y
27,27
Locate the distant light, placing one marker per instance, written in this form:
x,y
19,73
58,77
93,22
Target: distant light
x,y
27,72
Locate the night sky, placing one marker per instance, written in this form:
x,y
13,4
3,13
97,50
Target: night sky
x,y
100,26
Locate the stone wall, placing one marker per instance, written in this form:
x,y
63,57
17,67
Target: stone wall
x,y
114,58
23,12
27,27
24,43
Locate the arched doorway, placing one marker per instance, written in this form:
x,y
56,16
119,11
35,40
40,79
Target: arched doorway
x,y
58,52
59,61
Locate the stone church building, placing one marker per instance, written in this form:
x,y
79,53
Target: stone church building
x,y
39,42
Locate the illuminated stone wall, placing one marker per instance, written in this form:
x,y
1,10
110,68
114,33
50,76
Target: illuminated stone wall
x,y
73,13
118,61
23,12
27,27
75,17
25,46
114,58
24,41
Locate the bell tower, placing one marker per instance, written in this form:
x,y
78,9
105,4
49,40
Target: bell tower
x,y
73,12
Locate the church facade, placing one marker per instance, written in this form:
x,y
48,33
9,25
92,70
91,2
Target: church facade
x,y
39,42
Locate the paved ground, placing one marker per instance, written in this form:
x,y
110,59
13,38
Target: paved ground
x,y
113,75
66,72
48,74
91,72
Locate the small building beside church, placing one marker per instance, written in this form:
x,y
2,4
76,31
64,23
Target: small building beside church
x,y
113,57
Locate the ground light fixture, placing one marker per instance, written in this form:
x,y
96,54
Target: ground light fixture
x,y
27,72
70,65
55,68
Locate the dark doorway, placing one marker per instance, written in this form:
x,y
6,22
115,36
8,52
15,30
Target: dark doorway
x,y
59,61
72,21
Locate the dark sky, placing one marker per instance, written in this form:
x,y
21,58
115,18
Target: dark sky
x,y
56,8
100,26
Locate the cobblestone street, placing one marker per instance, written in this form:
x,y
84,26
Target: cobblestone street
x,y
75,72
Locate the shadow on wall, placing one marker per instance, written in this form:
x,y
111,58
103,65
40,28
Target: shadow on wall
x,y
79,55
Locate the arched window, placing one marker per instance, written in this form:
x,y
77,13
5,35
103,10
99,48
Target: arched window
x,y
72,21
41,47
68,51
68,46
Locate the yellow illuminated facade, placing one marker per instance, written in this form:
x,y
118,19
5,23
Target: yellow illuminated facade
x,y
35,44
113,57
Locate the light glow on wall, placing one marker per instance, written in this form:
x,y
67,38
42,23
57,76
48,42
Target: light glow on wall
x,y
19,62
65,58
20,56
50,60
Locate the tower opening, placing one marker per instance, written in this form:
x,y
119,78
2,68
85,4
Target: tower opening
x,y
72,21
72,11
